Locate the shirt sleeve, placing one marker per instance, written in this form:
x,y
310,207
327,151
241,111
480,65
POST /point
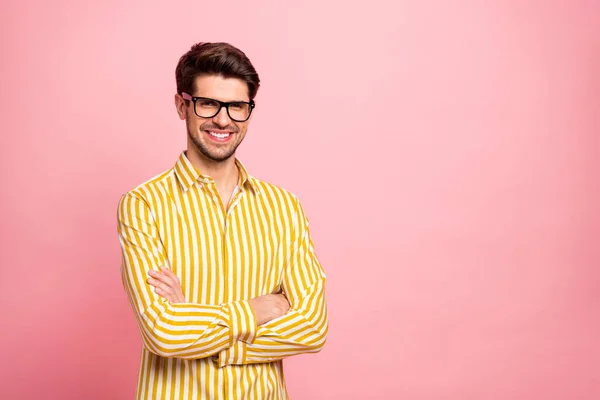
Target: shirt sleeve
x,y
182,330
304,328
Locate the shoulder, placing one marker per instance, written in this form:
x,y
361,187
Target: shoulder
x,y
275,195
148,191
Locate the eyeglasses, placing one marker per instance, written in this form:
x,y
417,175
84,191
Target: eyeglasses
x,y
238,111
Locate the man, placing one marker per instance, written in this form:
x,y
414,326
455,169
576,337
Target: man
x,y
218,266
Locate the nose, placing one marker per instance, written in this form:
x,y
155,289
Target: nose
x,y
222,118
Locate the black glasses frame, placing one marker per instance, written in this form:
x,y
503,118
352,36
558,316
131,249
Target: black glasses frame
x,y
222,104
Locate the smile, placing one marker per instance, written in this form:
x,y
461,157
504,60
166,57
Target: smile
x,y
220,136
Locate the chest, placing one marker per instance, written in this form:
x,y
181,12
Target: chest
x,y
220,254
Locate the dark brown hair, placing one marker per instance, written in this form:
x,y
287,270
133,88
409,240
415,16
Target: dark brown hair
x,y
215,59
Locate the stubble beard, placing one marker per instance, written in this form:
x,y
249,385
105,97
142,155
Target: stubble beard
x,y
206,152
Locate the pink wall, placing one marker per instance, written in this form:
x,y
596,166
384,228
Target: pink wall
x,y
446,154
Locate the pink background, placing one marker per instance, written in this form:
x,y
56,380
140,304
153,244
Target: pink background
x,y
446,154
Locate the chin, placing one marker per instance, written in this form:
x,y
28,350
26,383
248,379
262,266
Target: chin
x,y
218,157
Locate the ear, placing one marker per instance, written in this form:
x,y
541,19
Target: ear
x,y
180,106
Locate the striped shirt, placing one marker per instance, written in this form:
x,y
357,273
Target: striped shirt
x,y
210,346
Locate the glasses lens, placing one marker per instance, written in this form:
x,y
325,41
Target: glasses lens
x,y
239,111
206,108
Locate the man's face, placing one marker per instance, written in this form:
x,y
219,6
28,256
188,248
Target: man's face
x,y
215,138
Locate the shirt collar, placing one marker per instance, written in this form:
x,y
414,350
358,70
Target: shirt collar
x,y
188,175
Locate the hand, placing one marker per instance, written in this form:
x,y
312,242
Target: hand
x,y
269,307
166,284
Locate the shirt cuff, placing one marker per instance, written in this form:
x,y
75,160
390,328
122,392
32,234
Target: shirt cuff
x,y
235,354
243,322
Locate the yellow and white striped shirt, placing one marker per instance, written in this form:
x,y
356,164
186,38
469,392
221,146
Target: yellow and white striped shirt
x,y
210,346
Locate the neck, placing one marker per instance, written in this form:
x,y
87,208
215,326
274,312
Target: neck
x,y
225,173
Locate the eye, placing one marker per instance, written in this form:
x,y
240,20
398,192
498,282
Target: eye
x,y
240,106
207,103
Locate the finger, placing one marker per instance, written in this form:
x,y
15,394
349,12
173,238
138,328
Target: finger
x,y
163,278
167,296
158,284
157,269
170,274
155,273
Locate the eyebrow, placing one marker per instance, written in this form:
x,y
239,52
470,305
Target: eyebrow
x,y
223,101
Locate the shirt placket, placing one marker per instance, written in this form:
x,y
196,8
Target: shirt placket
x,y
227,233
227,269
226,225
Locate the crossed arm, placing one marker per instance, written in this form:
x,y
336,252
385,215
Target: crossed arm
x,y
241,332
265,308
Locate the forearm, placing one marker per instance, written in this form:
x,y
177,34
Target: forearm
x,y
192,331
302,330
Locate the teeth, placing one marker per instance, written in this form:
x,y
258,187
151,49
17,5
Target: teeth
x,y
219,135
